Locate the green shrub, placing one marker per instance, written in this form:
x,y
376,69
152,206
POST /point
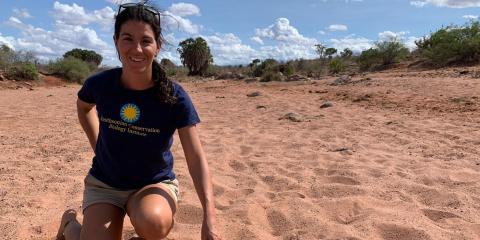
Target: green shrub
x,y
383,54
71,68
452,44
11,58
329,52
85,55
336,66
23,71
6,56
287,69
265,66
346,53
211,71
169,67
368,58
391,51
270,76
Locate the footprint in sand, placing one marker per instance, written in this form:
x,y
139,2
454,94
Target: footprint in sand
x,y
218,190
280,183
237,166
245,150
238,194
343,180
335,191
189,214
395,232
433,198
438,216
278,222
347,212
246,234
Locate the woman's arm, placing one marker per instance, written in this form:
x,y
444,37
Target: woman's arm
x,y
198,168
87,115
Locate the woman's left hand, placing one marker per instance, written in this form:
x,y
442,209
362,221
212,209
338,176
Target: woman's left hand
x,y
209,231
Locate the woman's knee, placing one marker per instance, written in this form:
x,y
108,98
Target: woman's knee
x,y
151,213
152,226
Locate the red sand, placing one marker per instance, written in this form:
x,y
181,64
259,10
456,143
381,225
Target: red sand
x,y
396,157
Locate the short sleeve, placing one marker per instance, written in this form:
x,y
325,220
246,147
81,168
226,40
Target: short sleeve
x,y
86,93
184,113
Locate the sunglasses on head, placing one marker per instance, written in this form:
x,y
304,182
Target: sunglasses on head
x,y
143,5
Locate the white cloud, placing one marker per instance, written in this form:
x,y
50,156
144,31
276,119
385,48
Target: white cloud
x,y
75,15
287,42
282,31
472,17
285,51
173,22
21,13
9,41
448,3
229,49
72,15
257,40
418,4
400,36
184,9
389,35
51,44
410,42
337,27
118,2
356,44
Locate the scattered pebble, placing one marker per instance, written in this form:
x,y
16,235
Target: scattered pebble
x,y
326,105
292,116
345,79
260,106
254,94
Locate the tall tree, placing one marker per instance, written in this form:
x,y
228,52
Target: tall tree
x,y
329,52
320,49
195,55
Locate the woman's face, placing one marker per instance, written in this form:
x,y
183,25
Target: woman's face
x,y
137,46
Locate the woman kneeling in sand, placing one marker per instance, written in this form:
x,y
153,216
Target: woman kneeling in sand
x,y
131,131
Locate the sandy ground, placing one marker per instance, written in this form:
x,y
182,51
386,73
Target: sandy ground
x,y
397,156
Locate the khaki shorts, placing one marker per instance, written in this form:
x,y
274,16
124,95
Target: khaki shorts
x,y
98,192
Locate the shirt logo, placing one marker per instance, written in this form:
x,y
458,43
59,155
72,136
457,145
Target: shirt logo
x,y
130,113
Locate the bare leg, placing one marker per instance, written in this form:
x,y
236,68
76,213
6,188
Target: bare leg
x,y
101,221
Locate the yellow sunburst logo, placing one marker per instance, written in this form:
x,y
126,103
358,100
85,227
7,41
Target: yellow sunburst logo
x,y
130,113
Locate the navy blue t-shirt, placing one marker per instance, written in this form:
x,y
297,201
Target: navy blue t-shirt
x,y
136,130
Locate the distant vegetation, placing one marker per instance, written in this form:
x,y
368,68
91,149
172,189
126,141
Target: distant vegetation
x,y
71,69
75,66
18,65
452,45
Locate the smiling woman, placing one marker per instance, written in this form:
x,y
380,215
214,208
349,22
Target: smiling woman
x,y
138,109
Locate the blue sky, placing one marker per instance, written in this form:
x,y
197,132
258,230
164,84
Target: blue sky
x,y
236,31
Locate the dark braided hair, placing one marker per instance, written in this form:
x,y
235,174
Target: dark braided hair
x,y
163,86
